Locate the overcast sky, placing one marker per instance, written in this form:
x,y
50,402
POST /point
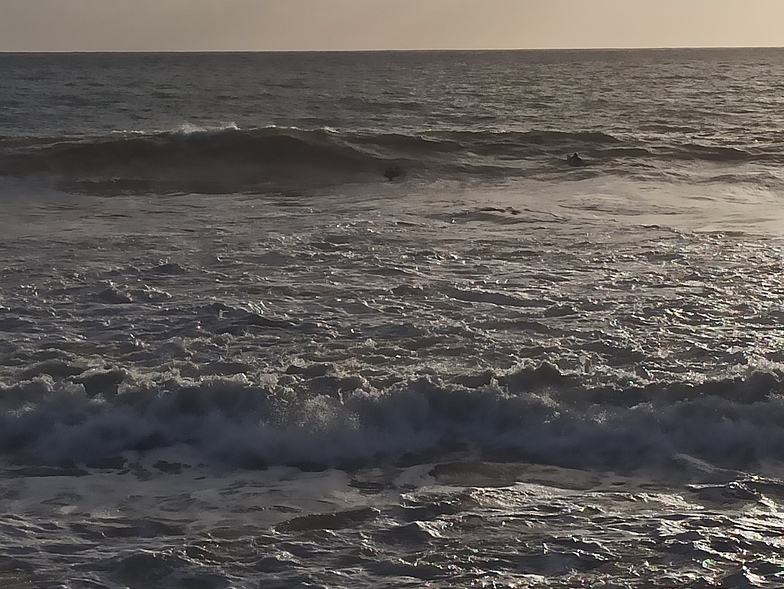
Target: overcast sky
x,y
255,25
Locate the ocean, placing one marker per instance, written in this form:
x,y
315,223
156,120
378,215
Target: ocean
x,y
338,320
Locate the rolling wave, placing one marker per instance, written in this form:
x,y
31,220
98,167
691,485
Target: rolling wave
x,y
229,159
535,414
225,160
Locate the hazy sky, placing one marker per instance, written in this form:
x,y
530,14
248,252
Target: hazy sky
x,y
162,25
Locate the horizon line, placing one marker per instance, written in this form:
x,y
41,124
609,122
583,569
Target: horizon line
x,y
396,50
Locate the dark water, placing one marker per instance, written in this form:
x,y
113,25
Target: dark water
x,y
234,122
337,320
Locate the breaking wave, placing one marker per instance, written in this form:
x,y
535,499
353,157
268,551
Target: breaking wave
x,y
535,414
230,159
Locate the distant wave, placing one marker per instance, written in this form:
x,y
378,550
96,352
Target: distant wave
x,y
194,161
62,416
229,159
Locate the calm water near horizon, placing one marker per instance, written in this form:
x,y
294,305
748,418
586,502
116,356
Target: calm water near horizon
x,y
350,319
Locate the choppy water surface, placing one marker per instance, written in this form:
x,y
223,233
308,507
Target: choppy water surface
x,y
368,328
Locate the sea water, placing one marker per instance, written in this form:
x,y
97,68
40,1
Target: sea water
x,y
351,320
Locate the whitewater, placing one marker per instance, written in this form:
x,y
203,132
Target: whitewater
x,y
351,319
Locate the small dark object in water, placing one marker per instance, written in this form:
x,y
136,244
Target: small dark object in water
x,y
393,172
574,160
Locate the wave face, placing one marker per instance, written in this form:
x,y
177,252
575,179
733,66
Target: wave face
x,y
234,160
214,161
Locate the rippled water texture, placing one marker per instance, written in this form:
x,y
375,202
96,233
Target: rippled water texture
x,y
352,320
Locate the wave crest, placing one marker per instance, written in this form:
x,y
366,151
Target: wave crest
x,y
533,414
196,160
226,158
